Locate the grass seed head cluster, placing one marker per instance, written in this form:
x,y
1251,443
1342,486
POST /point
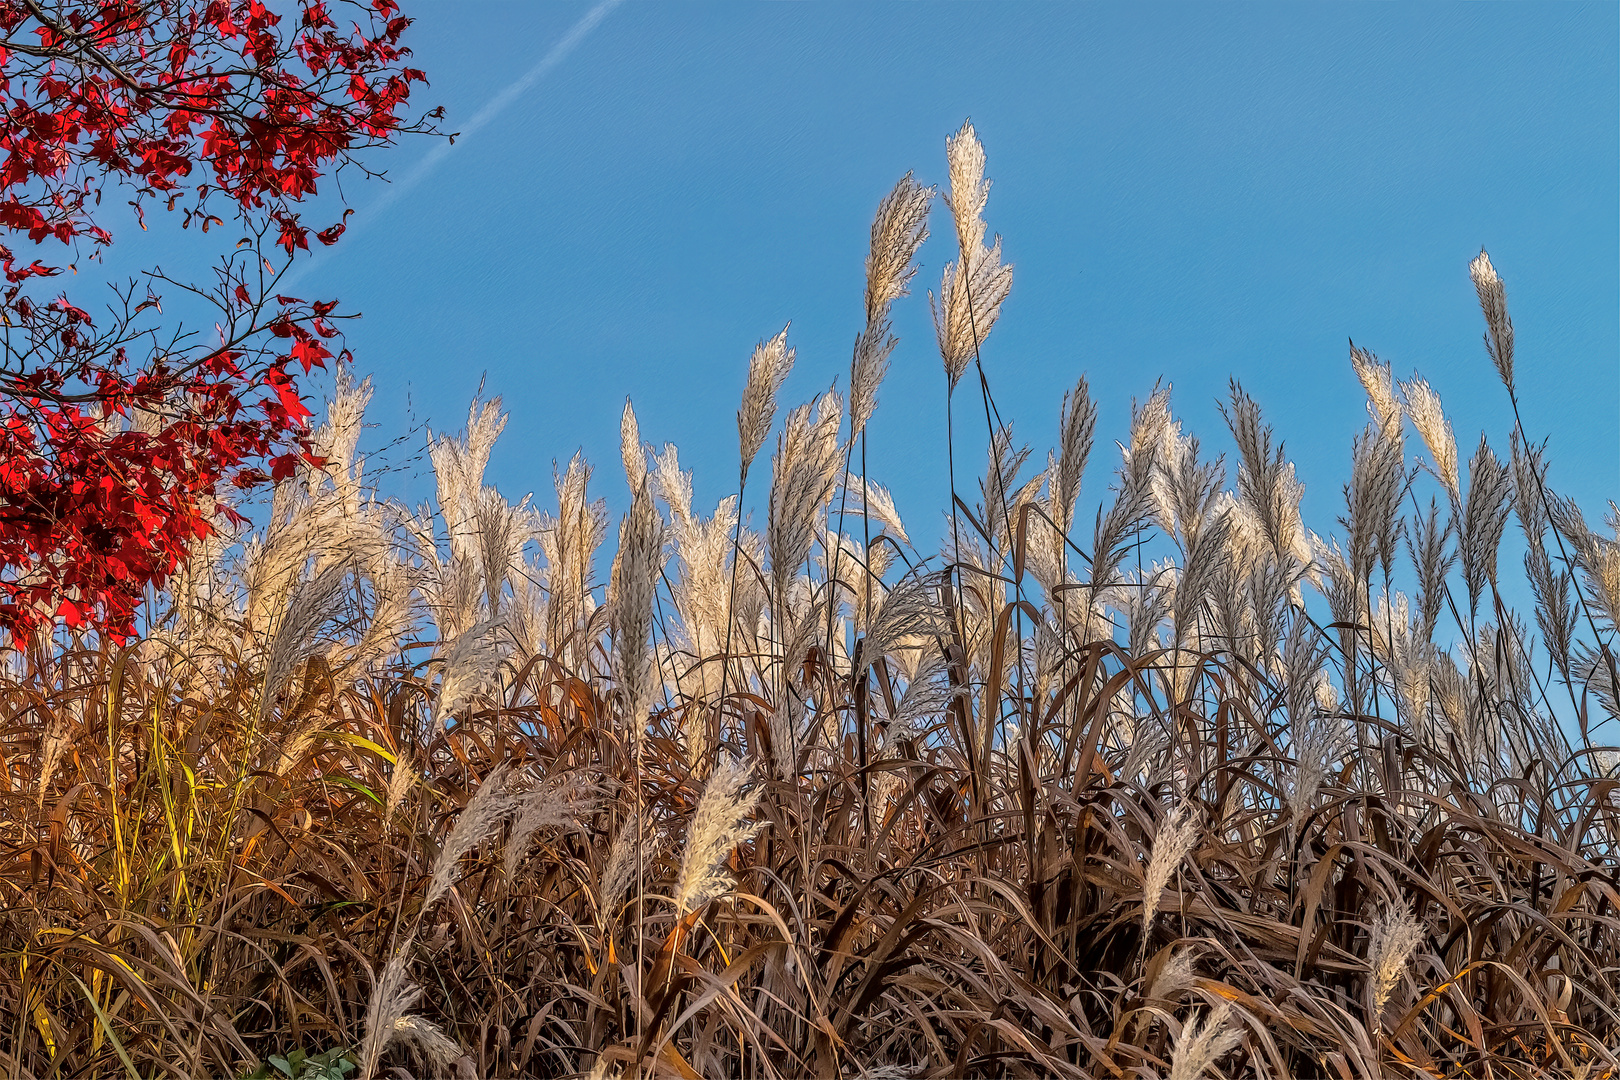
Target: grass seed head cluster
x,y
1163,784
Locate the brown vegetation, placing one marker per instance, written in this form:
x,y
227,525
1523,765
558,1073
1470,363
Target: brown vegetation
x,y
419,787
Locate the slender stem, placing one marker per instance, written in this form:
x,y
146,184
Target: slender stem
x,y
731,602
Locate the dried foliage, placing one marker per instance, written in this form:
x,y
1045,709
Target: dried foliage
x,y
428,788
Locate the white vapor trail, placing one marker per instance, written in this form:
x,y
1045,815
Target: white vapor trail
x,y
493,108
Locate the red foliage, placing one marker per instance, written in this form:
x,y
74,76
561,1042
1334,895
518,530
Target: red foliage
x,y
114,443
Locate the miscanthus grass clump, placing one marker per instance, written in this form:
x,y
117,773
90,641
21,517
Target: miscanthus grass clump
x,y
1152,779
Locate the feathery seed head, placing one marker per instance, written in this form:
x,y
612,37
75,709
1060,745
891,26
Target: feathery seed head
x,y
631,450
973,288
1077,429
1394,936
910,609
559,801
898,231
1423,406
718,825
391,995
767,370
425,1038
1175,974
471,667
866,371
400,782
1203,1042
1379,383
1498,327
313,603
1529,480
927,695
873,499
489,807
804,472
1427,544
1177,836
1484,516
639,564
1372,499
970,298
969,191
673,485
619,871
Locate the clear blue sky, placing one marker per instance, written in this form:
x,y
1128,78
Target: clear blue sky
x,y
1195,192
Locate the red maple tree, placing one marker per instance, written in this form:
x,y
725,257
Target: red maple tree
x,y
117,435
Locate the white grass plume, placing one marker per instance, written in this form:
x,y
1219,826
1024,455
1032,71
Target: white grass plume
x,y
898,231
873,499
569,542
1077,429
339,436
1392,938
1423,406
425,1037
971,290
1318,741
394,606
631,450
1203,1042
640,562
1372,501
1204,557
927,695
996,499
400,782
1426,542
673,485
560,801
969,191
54,741
1185,489
718,825
619,871
391,995
489,807
1595,670
458,470
1498,327
1376,378
804,471
1267,485
471,667
1133,499
1597,556
1484,516
501,531
1177,835
314,602
1174,975
909,609
767,370
1143,602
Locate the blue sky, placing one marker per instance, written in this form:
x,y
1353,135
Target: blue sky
x,y
1193,192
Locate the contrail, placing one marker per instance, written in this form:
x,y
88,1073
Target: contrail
x,y
430,161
